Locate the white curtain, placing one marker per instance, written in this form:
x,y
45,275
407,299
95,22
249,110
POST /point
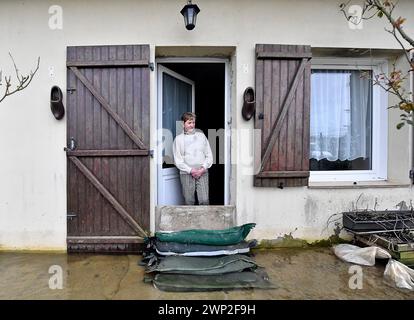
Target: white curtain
x,y
177,99
341,115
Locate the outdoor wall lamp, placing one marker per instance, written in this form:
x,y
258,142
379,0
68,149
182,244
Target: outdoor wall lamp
x,y
189,13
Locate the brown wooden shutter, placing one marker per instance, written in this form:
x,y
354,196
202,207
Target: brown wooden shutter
x,y
108,171
282,114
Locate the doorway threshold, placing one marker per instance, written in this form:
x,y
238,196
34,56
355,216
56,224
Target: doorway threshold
x,y
178,218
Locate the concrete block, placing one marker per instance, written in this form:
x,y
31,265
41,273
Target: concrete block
x,y
178,218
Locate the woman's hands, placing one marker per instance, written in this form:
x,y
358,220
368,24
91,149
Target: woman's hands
x,y
197,173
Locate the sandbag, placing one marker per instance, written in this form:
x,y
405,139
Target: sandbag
x,y
363,256
395,272
399,274
230,281
186,249
203,265
210,237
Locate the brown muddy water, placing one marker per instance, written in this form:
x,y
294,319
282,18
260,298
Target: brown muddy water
x,y
298,274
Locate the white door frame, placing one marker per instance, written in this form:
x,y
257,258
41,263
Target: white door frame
x,y
227,113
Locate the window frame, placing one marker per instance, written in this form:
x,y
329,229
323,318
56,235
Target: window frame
x,y
379,122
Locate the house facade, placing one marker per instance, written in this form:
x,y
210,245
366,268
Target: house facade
x,y
321,141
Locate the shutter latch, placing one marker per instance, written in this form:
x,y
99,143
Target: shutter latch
x,y
72,145
151,66
411,174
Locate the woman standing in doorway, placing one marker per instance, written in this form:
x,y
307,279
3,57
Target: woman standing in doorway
x,y
193,157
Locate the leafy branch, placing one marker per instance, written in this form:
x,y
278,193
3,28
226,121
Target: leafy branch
x,y
392,83
23,80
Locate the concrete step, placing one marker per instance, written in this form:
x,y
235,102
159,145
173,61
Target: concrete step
x,y
178,218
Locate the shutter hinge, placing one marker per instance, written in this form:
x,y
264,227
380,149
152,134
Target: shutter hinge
x,y
71,90
151,66
71,215
151,153
411,175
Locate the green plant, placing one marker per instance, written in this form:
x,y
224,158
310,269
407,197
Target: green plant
x,y
392,82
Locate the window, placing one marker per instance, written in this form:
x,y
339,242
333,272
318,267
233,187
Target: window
x,y
348,122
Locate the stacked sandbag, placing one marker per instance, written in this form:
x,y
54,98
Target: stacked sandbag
x,y
203,260
201,250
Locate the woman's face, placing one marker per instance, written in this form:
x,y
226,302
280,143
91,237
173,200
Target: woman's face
x,y
189,125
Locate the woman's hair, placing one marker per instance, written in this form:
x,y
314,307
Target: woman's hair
x,y
188,116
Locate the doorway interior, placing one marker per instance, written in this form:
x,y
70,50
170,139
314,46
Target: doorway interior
x,y
200,86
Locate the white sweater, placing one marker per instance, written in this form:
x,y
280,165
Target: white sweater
x,y
192,150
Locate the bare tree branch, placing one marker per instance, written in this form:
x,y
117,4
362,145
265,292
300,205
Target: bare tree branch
x,y
24,81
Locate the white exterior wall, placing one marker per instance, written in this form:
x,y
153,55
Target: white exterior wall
x,y
33,164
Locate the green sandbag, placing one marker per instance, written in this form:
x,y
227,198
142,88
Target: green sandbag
x,y
211,237
229,281
203,265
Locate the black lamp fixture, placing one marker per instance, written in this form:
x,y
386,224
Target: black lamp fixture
x,y
189,13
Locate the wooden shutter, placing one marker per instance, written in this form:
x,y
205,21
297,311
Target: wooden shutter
x,y
108,171
282,114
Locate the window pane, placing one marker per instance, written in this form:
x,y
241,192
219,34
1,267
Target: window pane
x,y
341,120
177,99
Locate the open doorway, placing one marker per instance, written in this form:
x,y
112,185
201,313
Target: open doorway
x,y
200,87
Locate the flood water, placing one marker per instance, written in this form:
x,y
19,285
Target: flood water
x,y
297,273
